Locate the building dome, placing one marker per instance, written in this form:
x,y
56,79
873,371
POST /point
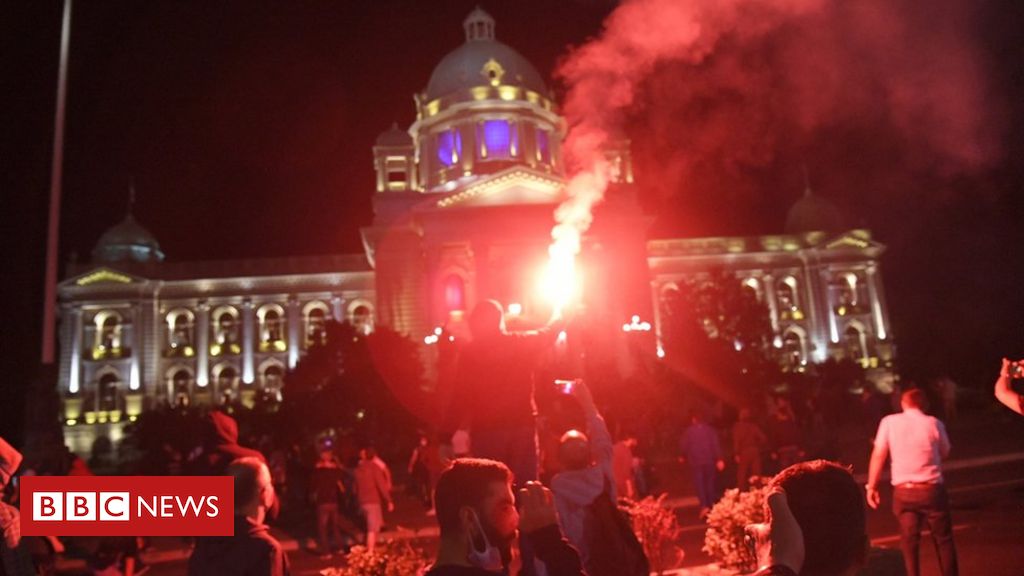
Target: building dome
x,y
482,61
393,137
127,242
813,213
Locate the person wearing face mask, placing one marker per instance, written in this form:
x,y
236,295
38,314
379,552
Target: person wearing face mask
x,y
252,551
479,522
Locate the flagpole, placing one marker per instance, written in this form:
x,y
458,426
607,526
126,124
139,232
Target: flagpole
x,y
56,176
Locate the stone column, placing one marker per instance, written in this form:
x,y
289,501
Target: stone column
x,y
248,341
75,374
877,302
137,348
338,308
294,331
202,340
773,305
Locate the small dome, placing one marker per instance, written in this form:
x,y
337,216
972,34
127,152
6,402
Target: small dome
x,y
813,213
394,136
127,241
482,61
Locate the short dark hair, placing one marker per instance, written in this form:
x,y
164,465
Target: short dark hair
x,y
465,483
246,474
915,397
829,506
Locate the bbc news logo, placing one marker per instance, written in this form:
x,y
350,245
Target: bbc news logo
x,y
127,506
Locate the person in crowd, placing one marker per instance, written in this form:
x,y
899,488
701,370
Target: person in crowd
x,y
373,489
586,461
220,446
748,442
424,468
785,434
1004,391
15,558
701,450
326,484
494,392
495,389
461,443
622,467
252,551
476,512
917,444
817,526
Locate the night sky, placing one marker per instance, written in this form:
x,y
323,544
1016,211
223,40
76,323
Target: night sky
x,y
247,127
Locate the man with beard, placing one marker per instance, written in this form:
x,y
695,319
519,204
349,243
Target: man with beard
x,y
479,522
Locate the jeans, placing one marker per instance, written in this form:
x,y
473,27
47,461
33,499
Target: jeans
x,y
704,481
327,518
925,503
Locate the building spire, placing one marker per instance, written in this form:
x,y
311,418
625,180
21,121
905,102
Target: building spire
x,y
479,26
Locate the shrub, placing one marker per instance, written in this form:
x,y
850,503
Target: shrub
x,y
657,528
388,559
724,539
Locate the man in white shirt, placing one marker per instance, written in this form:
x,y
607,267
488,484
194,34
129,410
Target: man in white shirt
x,y
917,444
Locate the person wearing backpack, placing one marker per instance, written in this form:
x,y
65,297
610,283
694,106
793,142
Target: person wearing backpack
x,y
585,497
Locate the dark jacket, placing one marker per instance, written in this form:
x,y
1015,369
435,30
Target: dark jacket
x,y
252,551
558,556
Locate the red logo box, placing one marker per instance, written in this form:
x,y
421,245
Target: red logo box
x,y
127,506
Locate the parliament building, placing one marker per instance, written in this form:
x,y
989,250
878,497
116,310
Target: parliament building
x,y
463,211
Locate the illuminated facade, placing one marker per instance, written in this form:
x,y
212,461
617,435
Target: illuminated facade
x,y
462,212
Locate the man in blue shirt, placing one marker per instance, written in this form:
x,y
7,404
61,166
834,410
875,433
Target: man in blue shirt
x,y
700,449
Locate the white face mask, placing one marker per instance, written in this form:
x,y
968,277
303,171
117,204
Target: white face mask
x,y
488,558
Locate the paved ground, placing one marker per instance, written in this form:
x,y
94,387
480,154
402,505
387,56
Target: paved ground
x,y
985,477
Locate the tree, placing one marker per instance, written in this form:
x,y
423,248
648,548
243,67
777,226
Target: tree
x,y
718,334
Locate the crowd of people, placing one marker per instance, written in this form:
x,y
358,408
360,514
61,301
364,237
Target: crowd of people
x,y
484,481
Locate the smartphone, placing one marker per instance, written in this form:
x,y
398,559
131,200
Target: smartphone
x,y
564,386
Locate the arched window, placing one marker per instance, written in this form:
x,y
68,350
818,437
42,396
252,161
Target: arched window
x,y
752,288
225,332
226,378
316,325
855,343
109,333
543,146
787,294
273,377
271,317
449,147
361,317
454,293
498,139
179,333
793,349
108,392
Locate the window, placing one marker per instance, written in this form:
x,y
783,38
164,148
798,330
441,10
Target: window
x,y
853,338
454,293
227,379
273,377
108,394
793,349
179,334
362,318
449,147
788,297
316,326
109,333
498,139
543,146
225,332
271,319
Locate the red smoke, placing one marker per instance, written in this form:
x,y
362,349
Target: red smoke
x,y
715,93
